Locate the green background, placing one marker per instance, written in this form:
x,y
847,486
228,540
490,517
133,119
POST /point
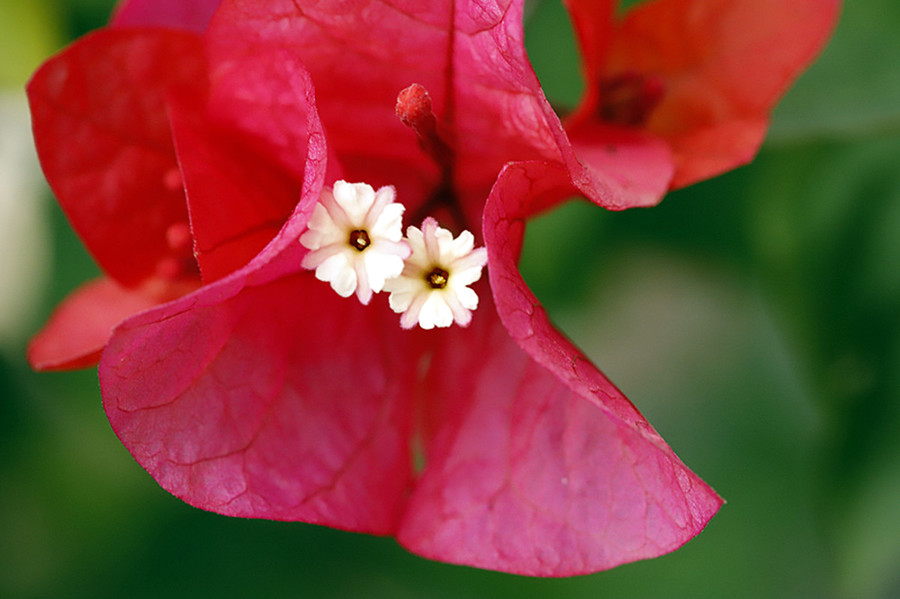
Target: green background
x,y
753,318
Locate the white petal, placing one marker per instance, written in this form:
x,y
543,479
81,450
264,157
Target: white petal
x,y
336,212
363,284
400,249
320,219
462,245
467,298
401,299
355,199
465,277
332,266
380,267
389,224
461,315
430,232
322,230
417,244
384,197
411,316
445,243
435,312
344,283
316,257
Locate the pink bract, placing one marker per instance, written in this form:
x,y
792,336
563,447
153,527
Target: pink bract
x,y
699,77
248,387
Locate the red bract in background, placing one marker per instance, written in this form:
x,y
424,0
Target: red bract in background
x,y
261,393
688,83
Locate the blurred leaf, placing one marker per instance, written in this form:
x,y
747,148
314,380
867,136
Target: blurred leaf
x,y
570,248
824,227
854,88
29,31
868,537
563,252
826,232
551,49
85,15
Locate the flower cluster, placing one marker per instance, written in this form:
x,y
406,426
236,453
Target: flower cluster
x,y
237,154
355,244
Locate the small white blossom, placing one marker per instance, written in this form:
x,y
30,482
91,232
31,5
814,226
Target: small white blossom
x,y
433,290
355,239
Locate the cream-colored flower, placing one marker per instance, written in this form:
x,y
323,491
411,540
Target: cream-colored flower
x,y
355,239
433,289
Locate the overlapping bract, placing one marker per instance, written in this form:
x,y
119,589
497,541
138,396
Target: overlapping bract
x,y
251,389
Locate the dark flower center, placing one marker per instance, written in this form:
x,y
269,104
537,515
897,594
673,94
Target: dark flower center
x,y
359,239
629,98
437,278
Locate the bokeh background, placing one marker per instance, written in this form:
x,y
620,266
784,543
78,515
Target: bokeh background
x,y
754,319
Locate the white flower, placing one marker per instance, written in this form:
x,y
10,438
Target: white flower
x,y
355,239
433,289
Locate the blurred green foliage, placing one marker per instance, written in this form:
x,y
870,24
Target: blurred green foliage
x,y
28,30
754,318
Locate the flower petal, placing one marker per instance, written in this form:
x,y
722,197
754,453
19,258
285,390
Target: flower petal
x,y
277,401
469,56
526,474
360,58
78,329
238,193
628,168
536,463
249,397
705,153
192,15
725,63
105,144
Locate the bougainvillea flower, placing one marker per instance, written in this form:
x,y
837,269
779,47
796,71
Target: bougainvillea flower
x,y
260,392
692,82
